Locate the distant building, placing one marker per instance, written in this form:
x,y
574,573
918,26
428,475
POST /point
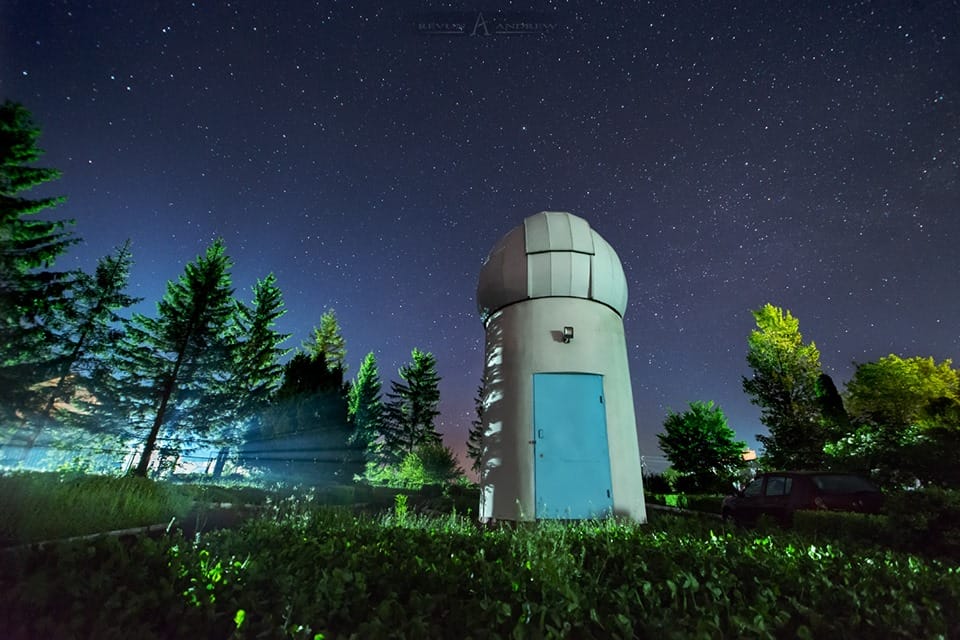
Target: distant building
x,y
560,435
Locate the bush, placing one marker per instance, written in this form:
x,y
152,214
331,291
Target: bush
x,y
428,464
705,503
852,529
926,521
656,483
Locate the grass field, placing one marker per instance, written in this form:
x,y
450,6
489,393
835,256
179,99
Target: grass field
x,y
303,570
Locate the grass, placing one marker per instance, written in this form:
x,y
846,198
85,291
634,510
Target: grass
x,y
42,506
37,506
304,570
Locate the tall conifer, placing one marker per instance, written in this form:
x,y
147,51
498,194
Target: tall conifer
x,y
170,365
30,293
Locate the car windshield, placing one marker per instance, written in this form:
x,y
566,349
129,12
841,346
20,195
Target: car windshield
x,y
842,484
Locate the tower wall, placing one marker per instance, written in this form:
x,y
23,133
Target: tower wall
x,y
526,338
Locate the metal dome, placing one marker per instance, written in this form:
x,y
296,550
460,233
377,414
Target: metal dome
x,y
552,254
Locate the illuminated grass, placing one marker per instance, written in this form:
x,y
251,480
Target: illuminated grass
x,y
42,506
304,570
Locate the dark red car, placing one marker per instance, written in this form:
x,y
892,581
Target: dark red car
x,y
778,494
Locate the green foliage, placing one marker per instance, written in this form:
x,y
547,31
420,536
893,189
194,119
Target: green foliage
x,y
908,416
305,573
703,503
784,384
400,508
430,463
32,297
87,337
411,407
899,392
925,521
657,483
699,444
851,529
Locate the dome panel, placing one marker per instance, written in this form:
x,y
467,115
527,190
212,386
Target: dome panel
x,y
608,284
558,273
557,231
552,254
503,278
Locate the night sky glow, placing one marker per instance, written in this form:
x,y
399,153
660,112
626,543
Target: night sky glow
x,y
802,154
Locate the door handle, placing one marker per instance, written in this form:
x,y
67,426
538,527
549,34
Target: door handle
x,y
539,433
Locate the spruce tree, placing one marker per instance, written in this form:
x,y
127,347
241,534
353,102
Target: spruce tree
x,y
328,340
304,435
365,408
30,293
257,371
475,436
169,367
411,407
89,331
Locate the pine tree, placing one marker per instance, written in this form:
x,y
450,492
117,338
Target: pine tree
x,y
304,434
30,294
328,340
412,406
475,436
257,371
365,408
89,332
169,367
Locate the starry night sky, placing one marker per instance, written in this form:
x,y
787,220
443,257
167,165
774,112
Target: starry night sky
x,y
797,153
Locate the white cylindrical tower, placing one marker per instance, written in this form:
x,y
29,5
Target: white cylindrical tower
x,y
560,435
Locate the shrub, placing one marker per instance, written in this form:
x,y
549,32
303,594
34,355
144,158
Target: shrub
x,y
852,529
705,503
926,520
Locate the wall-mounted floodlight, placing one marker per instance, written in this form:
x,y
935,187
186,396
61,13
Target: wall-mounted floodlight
x,y
567,334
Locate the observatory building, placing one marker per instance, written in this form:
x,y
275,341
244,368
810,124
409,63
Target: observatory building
x,y
560,436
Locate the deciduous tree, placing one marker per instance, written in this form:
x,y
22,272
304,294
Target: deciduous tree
x,y
907,414
699,443
784,382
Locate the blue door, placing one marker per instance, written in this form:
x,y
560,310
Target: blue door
x,y
572,462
